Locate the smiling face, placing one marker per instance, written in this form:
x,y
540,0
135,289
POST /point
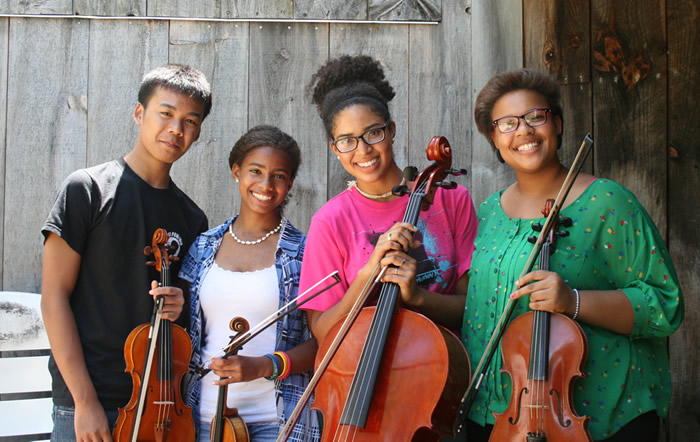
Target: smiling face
x,y
170,122
371,164
264,179
526,149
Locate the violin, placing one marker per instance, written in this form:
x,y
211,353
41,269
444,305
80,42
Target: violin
x,y
157,356
227,425
543,353
390,348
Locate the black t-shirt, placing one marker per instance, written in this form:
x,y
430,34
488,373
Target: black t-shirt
x,y
108,214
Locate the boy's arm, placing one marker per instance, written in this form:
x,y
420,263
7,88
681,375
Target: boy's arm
x,y
59,274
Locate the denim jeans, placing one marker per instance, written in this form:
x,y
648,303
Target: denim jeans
x,y
64,423
265,432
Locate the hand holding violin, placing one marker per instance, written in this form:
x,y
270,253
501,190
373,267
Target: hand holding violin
x,y
548,292
240,368
173,300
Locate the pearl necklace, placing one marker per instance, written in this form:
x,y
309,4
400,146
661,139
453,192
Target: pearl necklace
x,y
258,241
353,184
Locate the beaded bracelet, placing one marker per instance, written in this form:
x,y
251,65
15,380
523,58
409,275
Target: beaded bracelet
x,y
275,367
287,364
578,302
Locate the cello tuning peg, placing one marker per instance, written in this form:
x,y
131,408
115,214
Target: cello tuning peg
x,y
446,184
456,172
566,222
532,239
410,173
400,190
537,227
563,234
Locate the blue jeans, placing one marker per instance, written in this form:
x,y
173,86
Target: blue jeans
x,y
258,432
64,423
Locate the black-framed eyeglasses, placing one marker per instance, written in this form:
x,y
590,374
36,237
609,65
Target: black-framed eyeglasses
x,y
533,118
372,136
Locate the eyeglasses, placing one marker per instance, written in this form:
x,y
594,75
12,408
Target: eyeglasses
x,y
533,118
372,136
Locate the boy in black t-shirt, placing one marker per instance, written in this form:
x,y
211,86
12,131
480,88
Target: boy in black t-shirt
x,y
94,281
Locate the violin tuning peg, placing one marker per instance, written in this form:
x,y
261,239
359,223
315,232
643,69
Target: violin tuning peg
x,y
537,227
150,263
400,190
532,239
410,173
456,172
147,250
566,222
174,258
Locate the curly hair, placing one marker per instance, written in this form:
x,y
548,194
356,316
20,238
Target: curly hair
x,y
346,81
505,82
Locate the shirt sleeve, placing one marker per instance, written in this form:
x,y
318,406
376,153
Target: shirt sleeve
x,y
188,269
322,256
71,215
642,263
465,231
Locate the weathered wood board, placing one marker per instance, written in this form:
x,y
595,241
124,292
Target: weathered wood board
x,y
220,51
418,10
115,8
184,8
4,33
283,56
36,7
346,10
40,156
684,211
257,9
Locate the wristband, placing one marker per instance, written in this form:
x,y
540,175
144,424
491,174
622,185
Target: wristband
x,y
287,364
275,368
578,302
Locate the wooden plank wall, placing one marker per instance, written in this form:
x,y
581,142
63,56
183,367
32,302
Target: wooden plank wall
x,y
629,75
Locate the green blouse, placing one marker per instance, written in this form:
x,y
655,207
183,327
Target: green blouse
x,y
613,244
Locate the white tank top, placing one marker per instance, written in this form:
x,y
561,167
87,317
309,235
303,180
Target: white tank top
x,y
254,296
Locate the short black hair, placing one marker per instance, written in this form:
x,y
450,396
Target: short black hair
x,y
180,78
270,136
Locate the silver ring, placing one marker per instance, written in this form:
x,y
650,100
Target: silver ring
x,y
396,270
389,236
403,262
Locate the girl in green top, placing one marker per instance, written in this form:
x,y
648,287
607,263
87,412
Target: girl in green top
x,y
627,296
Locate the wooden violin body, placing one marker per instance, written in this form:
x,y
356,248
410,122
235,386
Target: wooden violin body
x,y
157,357
424,371
544,354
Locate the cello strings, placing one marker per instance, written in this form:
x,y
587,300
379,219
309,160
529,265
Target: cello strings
x,y
383,313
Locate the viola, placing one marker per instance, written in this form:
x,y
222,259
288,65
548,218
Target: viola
x,y
157,356
227,425
544,354
389,349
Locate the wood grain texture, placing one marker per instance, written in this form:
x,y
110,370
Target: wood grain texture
x,y
389,45
184,8
220,51
629,100
684,211
4,34
36,6
283,57
345,10
117,8
439,87
557,38
496,40
116,70
419,10
46,134
257,9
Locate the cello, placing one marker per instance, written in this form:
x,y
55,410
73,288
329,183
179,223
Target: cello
x,y
156,409
387,349
543,353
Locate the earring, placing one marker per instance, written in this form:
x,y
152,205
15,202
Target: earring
x,y
499,156
237,180
337,157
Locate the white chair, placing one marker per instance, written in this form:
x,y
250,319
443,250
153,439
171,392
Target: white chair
x,y
25,382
